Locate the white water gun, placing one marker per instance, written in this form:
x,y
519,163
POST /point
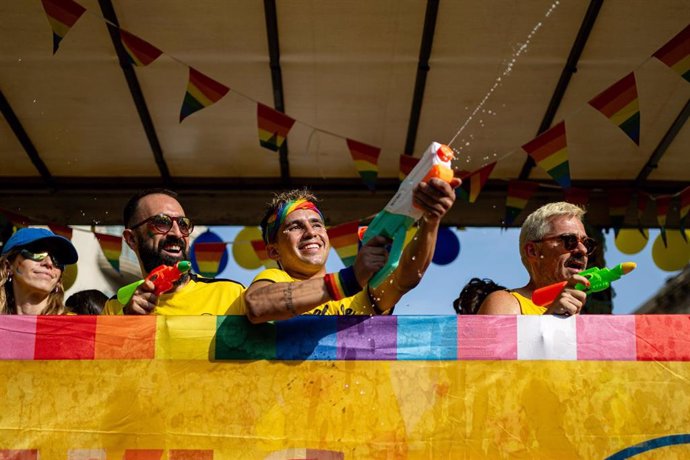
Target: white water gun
x,y
400,212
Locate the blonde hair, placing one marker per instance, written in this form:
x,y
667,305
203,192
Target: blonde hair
x,y
538,224
8,306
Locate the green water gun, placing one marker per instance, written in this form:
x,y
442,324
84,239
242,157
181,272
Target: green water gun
x,y
599,279
163,278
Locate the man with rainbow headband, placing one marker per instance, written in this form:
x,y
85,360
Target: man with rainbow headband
x,y
295,236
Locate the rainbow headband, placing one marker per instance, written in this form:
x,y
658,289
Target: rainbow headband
x,y
278,217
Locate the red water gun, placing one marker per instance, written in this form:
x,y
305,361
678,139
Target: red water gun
x,y
163,278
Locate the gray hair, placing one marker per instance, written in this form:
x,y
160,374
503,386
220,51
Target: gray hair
x,y
538,224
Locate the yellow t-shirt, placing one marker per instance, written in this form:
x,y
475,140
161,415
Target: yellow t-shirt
x,y
358,304
527,307
200,296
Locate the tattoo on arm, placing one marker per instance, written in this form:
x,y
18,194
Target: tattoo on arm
x,y
288,299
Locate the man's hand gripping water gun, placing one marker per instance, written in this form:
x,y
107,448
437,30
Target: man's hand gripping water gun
x,y
163,278
599,279
400,212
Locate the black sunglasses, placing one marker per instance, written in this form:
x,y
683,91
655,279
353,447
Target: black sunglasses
x,y
162,223
571,240
40,256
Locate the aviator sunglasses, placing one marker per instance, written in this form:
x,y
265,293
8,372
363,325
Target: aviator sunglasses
x,y
162,223
40,256
571,240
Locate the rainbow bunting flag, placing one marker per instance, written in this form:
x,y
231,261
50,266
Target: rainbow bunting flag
x,y
676,53
619,103
407,164
62,15
260,249
112,248
577,196
549,151
141,53
202,91
662,205
684,208
61,230
345,240
642,200
519,193
274,127
618,201
208,257
473,183
366,158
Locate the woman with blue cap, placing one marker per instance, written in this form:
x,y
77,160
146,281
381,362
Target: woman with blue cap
x,y
31,267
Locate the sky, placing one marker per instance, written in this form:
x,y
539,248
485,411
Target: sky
x,y
490,253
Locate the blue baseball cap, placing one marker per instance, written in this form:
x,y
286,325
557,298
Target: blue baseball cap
x,y
62,248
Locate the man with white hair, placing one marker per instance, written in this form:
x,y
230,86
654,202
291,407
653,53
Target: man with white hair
x,y
554,247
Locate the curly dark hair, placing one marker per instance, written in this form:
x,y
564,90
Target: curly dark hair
x,y
473,294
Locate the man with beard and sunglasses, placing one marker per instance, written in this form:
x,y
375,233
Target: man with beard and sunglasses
x,y
554,247
157,230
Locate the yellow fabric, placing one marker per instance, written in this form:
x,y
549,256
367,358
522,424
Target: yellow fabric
x,y
365,409
199,297
359,304
527,307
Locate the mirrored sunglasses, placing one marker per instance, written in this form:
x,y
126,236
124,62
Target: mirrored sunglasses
x,y
40,256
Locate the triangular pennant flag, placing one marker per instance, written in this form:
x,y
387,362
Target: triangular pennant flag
x,y
618,201
62,15
16,219
366,158
473,183
676,53
274,127
202,91
642,200
519,194
208,257
407,164
662,204
619,103
549,151
577,196
344,239
141,53
260,249
112,248
61,230
684,208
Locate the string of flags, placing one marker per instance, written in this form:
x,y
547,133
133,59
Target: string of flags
x,y
619,103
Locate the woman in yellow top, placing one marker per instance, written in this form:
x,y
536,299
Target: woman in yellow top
x,y
31,268
554,247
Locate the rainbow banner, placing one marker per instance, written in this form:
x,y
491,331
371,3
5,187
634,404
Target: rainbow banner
x,y
202,91
549,151
662,204
344,239
676,53
407,164
683,209
62,15
274,127
140,52
619,103
208,257
111,247
576,196
473,183
618,202
61,230
366,158
344,387
519,194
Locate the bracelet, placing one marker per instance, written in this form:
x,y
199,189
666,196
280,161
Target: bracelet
x,y
342,284
288,300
